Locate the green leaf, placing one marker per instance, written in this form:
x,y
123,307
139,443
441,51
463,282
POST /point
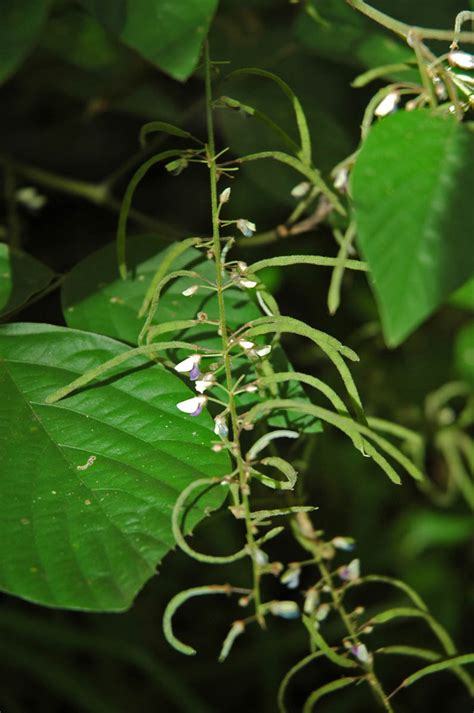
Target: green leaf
x,y
324,690
88,484
452,663
19,31
321,643
168,34
464,353
412,187
21,277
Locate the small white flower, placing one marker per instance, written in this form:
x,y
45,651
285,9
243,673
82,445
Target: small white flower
x,y
261,557
387,105
192,406
300,189
285,609
350,572
188,364
263,351
291,578
341,179
463,60
250,388
225,195
220,428
242,266
30,198
322,611
361,653
343,543
189,291
311,600
245,282
246,344
217,447
206,382
246,227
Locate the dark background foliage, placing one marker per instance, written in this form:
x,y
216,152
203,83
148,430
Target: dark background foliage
x,y
75,107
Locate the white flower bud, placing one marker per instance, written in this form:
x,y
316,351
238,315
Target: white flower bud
x,y
246,227
387,105
300,189
189,291
225,195
463,60
285,609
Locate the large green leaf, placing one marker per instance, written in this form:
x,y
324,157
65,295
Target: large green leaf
x,y
21,277
88,484
20,28
412,186
95,298
169,34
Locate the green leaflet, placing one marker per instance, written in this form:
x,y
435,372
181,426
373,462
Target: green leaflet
x,y
324,690
305,138
88,484
320,642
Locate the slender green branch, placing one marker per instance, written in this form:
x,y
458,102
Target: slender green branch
x,y
403,30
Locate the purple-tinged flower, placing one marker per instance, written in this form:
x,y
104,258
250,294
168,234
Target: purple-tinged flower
x,y
190,365
246,227
361,653
350,572
192,406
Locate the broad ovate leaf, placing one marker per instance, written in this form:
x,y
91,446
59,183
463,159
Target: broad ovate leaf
x,y
412,187
169,34
88,483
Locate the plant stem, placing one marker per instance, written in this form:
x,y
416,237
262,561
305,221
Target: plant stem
x,y
403,30
96,193
211,160
308,540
